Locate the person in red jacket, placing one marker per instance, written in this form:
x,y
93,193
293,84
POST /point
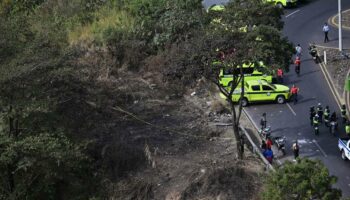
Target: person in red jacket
x,y
294,92
279,75
297,63
268,143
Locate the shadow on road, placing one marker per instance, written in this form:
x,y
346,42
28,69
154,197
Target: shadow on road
x,y
294,81
310,72
301,100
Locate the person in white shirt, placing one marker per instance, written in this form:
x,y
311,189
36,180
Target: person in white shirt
x,y
298,49
325,31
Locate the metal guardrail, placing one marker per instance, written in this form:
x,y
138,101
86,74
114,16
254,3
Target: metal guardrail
x,y
256,149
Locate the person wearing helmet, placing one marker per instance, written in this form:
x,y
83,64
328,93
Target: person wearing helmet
x,y
297,63
312,115
319,112
343,113
315,123
326,114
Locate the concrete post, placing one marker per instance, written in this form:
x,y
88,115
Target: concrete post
x,y
340,26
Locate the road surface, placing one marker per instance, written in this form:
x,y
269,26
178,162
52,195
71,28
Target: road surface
x,y
303,25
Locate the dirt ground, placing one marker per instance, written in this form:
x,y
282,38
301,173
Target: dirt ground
x,y
338,67
190,157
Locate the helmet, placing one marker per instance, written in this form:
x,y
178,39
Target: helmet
x,y
327,107
316,115
343,106
319,104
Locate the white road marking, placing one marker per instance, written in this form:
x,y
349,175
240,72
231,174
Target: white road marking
x,y
326,75
291,109
251,119
325,155
292,13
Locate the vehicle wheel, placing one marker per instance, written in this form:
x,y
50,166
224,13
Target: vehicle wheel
x,y
244,102
343,155
279,5
281,99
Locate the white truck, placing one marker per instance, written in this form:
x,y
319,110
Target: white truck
x,y
344,148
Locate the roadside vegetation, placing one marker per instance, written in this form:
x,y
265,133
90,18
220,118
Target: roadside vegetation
x,y
94,98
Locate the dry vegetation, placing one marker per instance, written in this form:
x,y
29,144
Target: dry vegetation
x,y
168,146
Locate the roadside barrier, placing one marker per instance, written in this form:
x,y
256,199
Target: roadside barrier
x,y
256,150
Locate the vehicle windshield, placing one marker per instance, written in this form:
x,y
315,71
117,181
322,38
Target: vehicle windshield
x,y
271,85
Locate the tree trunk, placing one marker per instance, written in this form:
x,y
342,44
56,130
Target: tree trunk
x,y
10,179
236,132
10,122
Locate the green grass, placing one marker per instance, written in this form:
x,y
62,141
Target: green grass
x,y
106,20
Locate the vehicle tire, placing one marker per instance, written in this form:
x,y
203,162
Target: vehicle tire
x,y
244,102
343,155
279,5
281,99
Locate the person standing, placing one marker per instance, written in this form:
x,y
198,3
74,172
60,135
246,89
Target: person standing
x,y
347,129
298,50
294,92
297,63
312,115
263,145
268,153
325,31
326,114
320,112
269,143
279,75
295,148
343,113
315,123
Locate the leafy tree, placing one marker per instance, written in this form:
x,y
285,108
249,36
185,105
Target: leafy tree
x,y
243,38
306,179
43,165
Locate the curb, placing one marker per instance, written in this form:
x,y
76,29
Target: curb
x,y
340,100
256,128
332,22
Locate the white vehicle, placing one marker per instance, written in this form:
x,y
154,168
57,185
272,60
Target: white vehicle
x,y
344,148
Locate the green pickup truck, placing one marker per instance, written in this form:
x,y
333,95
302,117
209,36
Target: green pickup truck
x,y
251,72
261,91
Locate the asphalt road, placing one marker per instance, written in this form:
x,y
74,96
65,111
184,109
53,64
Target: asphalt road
x,y
303,25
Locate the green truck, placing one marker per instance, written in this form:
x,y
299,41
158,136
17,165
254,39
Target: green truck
x,y
261,91
250,71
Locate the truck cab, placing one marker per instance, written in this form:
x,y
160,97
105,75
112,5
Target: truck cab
x,y
344,148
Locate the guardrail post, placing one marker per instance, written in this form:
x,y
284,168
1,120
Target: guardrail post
x,y
325,57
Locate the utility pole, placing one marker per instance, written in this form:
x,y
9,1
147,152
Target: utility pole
x,y
340,27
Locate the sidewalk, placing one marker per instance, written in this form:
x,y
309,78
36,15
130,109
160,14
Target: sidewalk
x,y
337,69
